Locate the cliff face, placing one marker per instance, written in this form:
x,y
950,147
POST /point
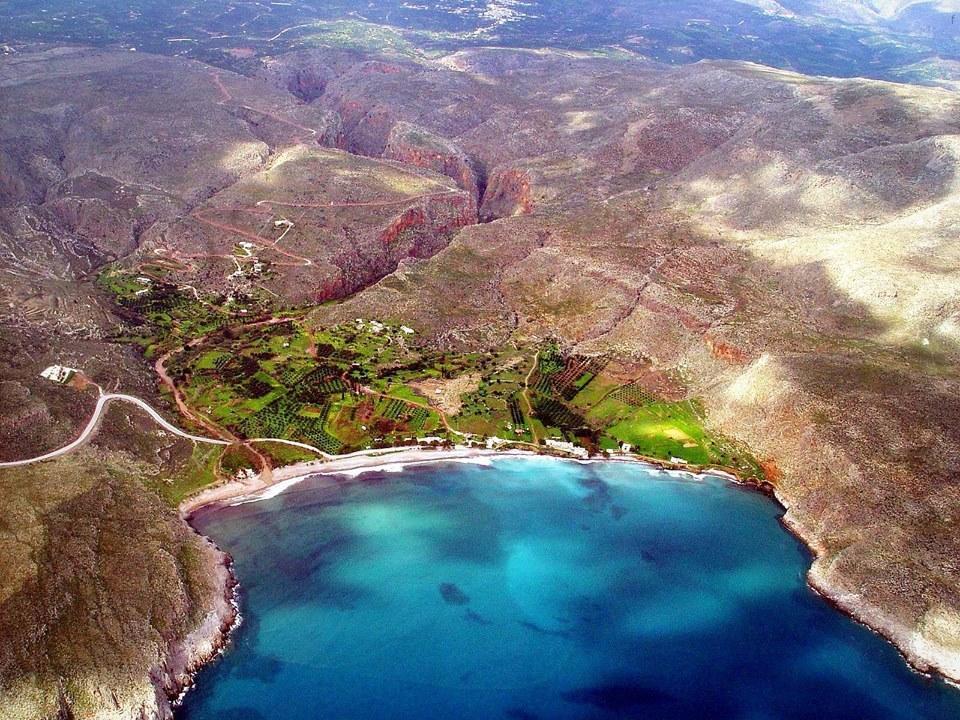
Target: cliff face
x,y
185,655
421,232
418,232
508,194
417,146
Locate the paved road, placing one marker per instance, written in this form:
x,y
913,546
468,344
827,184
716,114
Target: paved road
x,y
91,427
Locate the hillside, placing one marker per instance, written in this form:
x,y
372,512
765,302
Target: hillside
x,y
855,11
779,242
776,249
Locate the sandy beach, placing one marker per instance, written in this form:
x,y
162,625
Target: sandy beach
x,y
382,460
393,460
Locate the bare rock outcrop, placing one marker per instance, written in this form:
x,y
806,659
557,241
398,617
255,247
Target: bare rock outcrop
x,y
409,143
508,194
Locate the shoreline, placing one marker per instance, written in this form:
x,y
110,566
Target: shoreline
x,y
205,648
281,478
393,460
931,664
920,655
175,675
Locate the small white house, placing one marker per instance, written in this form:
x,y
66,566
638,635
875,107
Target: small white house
x,y
59,373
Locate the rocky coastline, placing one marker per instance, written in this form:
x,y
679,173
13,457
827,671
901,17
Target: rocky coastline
x,y
922,653
212,637
175,675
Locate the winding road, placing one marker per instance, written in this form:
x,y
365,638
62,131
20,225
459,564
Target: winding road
x,y
104,400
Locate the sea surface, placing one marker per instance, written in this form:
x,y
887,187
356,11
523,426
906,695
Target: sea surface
x,y
537,588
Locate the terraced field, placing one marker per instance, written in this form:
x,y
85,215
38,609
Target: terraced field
x,y
366,384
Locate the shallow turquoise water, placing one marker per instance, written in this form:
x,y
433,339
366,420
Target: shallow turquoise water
x,y
538,589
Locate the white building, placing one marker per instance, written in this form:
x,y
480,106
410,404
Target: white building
x,y
59,373
567,447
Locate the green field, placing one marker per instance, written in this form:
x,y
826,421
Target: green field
x,y
259,373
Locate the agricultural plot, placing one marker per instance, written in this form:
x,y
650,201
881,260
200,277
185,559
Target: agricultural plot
x,y
516,414
272,380
553,413
576,399
347,387
577,373
565,377
667,430
635,395
418,419
395,409
163,315
489,410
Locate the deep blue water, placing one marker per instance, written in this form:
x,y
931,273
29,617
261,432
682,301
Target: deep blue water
x,y
538,589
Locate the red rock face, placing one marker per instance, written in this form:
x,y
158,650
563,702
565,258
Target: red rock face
x,y
424,230
725,351
771,472
508,194
440,218
453,164
409,220
417,232
332,288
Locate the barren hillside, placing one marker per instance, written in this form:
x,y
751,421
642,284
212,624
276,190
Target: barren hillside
x,y
780,246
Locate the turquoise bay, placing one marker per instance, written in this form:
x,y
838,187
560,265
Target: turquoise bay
x,y
535,588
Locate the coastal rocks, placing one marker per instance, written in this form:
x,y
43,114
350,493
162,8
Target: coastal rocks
x,y
930,645
938,639
174,676
117,599
768,406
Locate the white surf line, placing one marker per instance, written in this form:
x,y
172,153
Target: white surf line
x,y
91,427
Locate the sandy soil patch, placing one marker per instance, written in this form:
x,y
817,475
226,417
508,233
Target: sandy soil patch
x,y
447,395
